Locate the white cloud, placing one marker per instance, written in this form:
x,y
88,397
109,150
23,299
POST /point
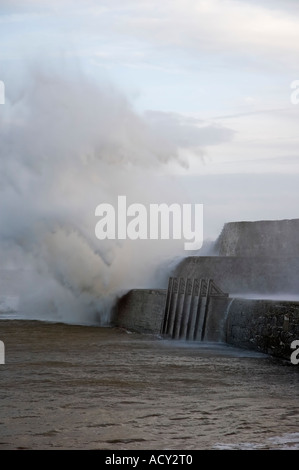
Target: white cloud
x,y
259,32
188,132
218,26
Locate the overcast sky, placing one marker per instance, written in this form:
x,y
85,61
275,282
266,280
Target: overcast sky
x,y
213,76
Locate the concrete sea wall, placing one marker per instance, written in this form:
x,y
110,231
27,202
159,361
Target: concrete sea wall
x,y
260,258
268,326
141,310
270,238
242,275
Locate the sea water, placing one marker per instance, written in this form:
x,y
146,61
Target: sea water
x,y
87,387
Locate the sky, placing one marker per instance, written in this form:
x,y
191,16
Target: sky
x,y
188,101
214,75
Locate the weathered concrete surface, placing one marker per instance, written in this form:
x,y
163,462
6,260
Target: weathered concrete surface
x,y
273,238
267,326
240,275
252,258
215,325
141,310
263,325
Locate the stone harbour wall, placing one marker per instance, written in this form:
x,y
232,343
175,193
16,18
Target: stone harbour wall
x,y
271,238
267,326
141,310
258,259
239,275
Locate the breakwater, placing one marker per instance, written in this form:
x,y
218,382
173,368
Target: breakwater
x,y
257,264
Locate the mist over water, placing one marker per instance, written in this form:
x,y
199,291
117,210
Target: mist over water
x,y
67,145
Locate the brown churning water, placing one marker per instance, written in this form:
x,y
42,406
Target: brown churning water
x,y
84,387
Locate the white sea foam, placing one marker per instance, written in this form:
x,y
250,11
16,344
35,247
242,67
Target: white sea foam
x,y
288,441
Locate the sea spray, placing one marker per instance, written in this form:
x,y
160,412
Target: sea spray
x,y
66,145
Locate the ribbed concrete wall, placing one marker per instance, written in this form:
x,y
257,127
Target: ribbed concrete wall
x,y
215,328
142,310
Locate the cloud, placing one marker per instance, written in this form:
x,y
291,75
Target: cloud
x,y
188,132
218,26
235,29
